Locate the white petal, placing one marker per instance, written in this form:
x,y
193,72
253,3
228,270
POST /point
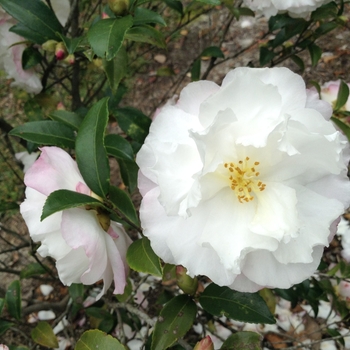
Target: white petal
x,y
262,268
276,215
194,94
71,267
55,169
80,228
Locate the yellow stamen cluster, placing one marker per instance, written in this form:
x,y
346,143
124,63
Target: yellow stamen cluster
x,y
244,179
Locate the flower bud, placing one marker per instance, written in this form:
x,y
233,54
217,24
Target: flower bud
x,y
98,62
186,283
60,51
49,46
205,344
119,7
60,106
70,59
104,15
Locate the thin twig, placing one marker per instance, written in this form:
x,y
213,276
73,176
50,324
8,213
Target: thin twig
x,y
47,305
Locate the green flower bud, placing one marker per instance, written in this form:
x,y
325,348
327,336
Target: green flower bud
x,y
186,283
119,7
70,59
49,46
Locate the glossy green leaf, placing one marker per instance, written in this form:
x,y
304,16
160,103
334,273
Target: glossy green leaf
x,y
210,2
90,151
27,33
325,11
343,95
129,172
315,54
175,5
290,28
196,70
266,55
342,126
243,341
144,16
116,68
212,51
13,300
245,307
118,147
297,60
64,199
71,44
95,339
123,203
46,132
76,292
33,269
107,35
175,319
133,122
4,326
71,119
30,57
43,335
35,16
326,28
316,85
146,34
141,258
99,314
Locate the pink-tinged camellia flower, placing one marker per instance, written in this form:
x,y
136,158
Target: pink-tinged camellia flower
x,y
85,248
295,8
329,93
11,57
244,183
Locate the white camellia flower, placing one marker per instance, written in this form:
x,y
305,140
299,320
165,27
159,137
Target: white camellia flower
x,y
11,57
244,183
295,8
86,245
11,52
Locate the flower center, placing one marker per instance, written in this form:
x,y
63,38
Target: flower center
x,y
244,180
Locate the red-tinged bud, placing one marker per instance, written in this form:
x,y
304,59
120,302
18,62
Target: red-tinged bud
x,y
205,344
119,7
60,106
104,15
49,46
70,59
60,51
186,283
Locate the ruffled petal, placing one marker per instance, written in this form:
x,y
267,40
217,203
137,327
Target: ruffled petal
x,y
264,269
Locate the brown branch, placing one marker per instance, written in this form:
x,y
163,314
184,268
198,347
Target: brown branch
x,y
46,305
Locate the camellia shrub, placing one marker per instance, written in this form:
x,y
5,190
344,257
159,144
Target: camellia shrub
x,y
203,218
